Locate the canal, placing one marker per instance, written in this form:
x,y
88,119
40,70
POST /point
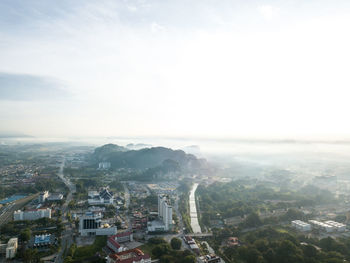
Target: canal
x,y
193,211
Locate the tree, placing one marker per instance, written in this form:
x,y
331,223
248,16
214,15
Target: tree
x,y
25,235
253,220
189,259
156,240
175,243
160,250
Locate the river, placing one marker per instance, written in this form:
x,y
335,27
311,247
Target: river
x,y
193,211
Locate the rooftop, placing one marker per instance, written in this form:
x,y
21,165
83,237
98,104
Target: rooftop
x,y
129,256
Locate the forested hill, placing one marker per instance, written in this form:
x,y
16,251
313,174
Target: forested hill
x,y
121,157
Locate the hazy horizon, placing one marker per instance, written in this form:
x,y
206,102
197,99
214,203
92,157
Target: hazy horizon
x,y
204,69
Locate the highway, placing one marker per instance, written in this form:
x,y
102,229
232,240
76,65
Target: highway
x,y
67,237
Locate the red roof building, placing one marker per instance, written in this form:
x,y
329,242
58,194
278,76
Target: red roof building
x,y
129,256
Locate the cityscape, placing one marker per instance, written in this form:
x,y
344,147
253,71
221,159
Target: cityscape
x,y
174,131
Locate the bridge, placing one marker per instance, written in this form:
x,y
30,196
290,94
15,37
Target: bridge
x,y
200,235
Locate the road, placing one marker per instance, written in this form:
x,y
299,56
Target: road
x,y
127,204
67,237
6,214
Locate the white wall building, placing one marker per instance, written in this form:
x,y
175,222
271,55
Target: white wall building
x,y
104,197
323,226
11,248
55,197
165,211
338,226
301,226
104,165
90,224
33,214
43,196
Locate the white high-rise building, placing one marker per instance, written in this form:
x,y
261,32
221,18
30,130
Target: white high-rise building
x,y
165,211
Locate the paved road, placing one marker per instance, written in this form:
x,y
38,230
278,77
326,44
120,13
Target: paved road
x,y
67,237
127,204
6,214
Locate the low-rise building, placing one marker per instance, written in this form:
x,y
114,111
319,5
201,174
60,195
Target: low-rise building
x,y
43,196
11,248
129,256
55,197
233,242
340,227
104,165
113,242
104,197
211,258
114,245
42,241
301,225
124,237
32,214
323,226
194,247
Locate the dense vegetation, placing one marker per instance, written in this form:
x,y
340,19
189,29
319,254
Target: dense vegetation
x,y
271,245
158,248
86,253
240,198
50,183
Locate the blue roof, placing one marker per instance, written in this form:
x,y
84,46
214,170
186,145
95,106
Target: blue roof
x,y
12,198
42,239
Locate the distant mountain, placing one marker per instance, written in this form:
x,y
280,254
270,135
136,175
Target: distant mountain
x,y
103,153
164,158
137,146
14,135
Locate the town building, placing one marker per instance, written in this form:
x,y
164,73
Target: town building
x,y
3,248
43,196
165,216
129,256
90,224
113,242
195,248
233,242
104,165
323,226
211,258
55,197
124,237
165,211
301,226
340,227
9,250
97,209
46,196
32,214
104,197
114,245
42,241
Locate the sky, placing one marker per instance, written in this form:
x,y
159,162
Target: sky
x,y
203,68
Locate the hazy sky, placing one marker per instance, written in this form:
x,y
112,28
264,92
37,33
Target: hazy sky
x,y
175,68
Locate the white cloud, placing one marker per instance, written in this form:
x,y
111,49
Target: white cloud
x,y
155,27
234,77
269,12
